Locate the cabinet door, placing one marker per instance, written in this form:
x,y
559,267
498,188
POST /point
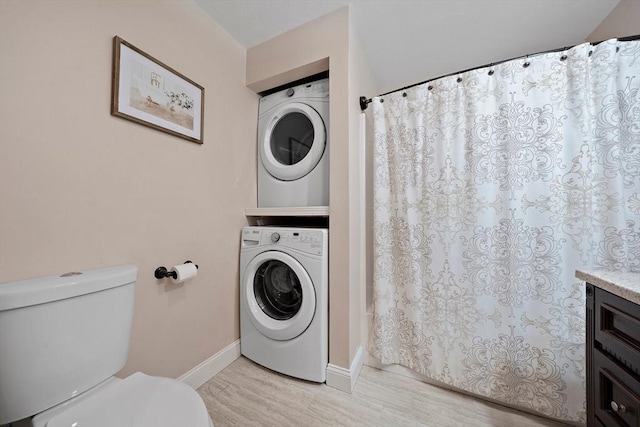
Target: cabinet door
x,y
617,393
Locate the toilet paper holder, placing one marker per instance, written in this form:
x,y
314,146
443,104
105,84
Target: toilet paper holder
x,y
162,272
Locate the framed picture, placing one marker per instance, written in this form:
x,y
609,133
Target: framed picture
x,y
146,91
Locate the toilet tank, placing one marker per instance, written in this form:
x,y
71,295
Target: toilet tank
x,y
61,335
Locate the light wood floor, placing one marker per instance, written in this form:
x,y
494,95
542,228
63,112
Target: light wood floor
x,y
246,394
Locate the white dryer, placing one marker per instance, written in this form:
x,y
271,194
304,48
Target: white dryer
x,y
284,300
293,147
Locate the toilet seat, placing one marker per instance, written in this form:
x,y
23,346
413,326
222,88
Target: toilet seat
x,y
136,401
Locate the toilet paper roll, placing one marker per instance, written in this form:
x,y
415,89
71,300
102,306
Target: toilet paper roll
x,y
184,272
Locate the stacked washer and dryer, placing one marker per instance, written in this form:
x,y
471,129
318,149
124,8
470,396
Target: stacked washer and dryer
x,y
284,270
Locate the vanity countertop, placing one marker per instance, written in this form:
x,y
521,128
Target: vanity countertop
x,y
624,285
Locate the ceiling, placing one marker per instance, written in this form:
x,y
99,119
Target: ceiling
x,y
408,41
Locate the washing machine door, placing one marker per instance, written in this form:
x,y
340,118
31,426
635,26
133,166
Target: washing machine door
x,y
279,295
293,141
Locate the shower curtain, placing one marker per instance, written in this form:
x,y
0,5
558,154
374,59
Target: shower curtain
x,y
491,188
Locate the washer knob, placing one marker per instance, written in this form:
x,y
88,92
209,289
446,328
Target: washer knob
x,y
290,92
275,237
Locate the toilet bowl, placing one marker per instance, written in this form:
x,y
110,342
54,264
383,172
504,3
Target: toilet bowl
x,y
138,400
63,340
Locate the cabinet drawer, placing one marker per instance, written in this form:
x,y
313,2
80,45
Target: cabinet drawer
x,y
617,393
617,328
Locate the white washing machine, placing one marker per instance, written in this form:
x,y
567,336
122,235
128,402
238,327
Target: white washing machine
x,y
293,147
284,300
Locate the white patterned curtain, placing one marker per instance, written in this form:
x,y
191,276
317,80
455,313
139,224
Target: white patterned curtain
x,y
491,188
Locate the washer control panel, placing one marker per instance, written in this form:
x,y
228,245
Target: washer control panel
x,y
306,240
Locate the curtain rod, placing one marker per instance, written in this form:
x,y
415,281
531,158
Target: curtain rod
x,y
364,101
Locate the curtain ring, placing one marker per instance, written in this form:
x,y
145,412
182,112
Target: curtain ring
x,y
429,87
404,94
459,79
491,72
381,100
563,57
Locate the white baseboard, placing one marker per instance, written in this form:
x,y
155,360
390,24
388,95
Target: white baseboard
x,y
210,367
345,379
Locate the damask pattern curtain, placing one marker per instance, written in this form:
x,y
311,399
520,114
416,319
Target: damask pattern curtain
x,y
491,188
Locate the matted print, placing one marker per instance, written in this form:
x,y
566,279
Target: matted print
x,y
149,92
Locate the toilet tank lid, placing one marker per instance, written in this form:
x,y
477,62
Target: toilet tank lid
x,y
40,290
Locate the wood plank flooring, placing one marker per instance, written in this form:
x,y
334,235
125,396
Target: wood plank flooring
x,y
246,394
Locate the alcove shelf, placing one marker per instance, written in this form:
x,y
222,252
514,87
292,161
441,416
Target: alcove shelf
x,y
322,211
308,216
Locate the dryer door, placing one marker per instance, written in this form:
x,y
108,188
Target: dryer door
x,y
293,141
279,295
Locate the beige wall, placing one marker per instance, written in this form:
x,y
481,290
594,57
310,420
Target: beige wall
x,y
303,51
80,188
624,20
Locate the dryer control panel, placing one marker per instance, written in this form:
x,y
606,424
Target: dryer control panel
x,y
315,91
312,241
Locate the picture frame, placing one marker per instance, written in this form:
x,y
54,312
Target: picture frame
x,y
148,92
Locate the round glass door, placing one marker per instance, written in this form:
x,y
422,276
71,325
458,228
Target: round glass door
x,y
293,141
278,295
277,290
292,138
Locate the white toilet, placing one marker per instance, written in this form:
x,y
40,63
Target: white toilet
x,y
62,338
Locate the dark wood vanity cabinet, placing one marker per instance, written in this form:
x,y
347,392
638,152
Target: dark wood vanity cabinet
x,y
613,360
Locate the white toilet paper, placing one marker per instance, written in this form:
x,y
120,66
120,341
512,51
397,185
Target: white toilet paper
x,y
184,272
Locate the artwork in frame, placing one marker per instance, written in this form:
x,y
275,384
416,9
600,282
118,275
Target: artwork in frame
x,y
146,91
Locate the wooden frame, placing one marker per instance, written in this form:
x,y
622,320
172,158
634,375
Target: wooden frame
x,y
148,92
